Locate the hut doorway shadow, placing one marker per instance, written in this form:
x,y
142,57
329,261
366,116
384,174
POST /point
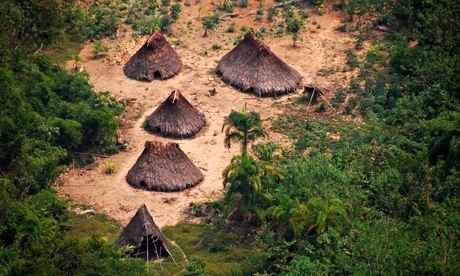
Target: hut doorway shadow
x,y
151,248
157,75
143,184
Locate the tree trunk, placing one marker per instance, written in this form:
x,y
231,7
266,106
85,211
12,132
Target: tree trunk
x,y
245,144
205,33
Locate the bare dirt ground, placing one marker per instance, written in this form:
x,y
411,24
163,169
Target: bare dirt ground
x,y
318,48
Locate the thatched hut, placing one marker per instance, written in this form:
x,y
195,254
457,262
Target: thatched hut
x,y
144,236
252,67
176,117
155,59
163,167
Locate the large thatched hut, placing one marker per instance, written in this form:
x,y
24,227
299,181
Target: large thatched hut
x,y
155,59
176,117
252,67
163,167
144,236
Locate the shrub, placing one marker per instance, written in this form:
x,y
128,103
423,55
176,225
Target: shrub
x,y
175,11
272,12
216,47
321,108
104,22
260,14
165,24
99,49
196,267
339,97
231,29
109,168
352,59
351,104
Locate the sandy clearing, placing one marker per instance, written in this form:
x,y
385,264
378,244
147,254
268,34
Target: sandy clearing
x,y
111,194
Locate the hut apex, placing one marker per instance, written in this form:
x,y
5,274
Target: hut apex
x,y
156,59
176,117
252,67
163,167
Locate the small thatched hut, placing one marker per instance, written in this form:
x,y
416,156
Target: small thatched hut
x,y
252,67
155,59
163,167
144,236
176,117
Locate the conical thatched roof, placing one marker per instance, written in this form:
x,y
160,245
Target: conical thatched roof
x,y
176,117
252,67
164,167
155,59
144,235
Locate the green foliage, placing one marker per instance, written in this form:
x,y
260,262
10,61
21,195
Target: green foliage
x,y
99,49
110,168
244,126
293,26
272,12
352,59
175,11
265,151
216,248
44,109
29,24
196,267
225,6
216,47
339,97
386,192
247,178
210,22
146,16
165,24
103,22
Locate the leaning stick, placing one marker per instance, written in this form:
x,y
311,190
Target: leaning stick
x,y
324,98
311,98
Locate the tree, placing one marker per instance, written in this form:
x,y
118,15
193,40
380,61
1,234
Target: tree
x,y
317,215
294,24
244,126
210,22
247,177
77,60
265,151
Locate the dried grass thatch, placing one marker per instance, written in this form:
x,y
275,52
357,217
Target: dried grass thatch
x,y
144,236
155,59
252,67
164,167
176,117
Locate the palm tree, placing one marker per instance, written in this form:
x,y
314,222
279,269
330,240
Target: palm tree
x,y
317,215
280,216
210,22
246,177
265,151
244,126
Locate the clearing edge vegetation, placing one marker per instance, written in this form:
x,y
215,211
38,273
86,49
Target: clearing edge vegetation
x,y
360,178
